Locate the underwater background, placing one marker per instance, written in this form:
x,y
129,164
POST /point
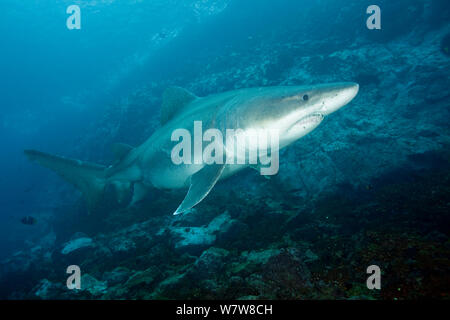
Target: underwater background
x,y
371,185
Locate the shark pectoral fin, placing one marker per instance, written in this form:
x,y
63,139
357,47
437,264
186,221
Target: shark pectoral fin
x,y
201,184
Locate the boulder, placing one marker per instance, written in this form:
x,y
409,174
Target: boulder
x,y
144,277
77,244
194,240
209,264
92,285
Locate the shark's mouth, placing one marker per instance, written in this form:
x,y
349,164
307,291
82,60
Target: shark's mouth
x,y
307,123
304,126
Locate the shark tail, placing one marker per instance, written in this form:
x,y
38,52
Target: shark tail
x,y
89,178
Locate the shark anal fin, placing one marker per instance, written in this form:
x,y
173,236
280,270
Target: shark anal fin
x,y
174,100
201,184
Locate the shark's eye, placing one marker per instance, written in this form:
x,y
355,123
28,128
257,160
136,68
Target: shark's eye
x,y
305,97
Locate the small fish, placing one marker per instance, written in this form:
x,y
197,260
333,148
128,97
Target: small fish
x,y
28,220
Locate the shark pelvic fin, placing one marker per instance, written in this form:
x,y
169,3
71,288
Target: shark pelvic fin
x,y
174,100
201,184
139,192
89,178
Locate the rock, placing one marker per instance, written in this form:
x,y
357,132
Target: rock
x,y
145,277
202,274
282,275
19,262
170,285
195,239
232,230
43,289
124,241
209,264
310,256
76,244
248,298
48,290
252,258
437,236
116,276
121,245
260,257
92,285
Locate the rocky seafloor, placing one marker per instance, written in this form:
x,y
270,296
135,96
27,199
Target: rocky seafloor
x,y
268,247
370,186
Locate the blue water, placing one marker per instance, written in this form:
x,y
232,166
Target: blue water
x,y
55,82
58,86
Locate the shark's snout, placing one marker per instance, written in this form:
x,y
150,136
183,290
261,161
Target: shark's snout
x,y
350,91
339,96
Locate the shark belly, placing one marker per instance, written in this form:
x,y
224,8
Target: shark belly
x,y
170,176
158,168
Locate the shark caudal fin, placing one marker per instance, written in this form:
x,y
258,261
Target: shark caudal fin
x,y
89,178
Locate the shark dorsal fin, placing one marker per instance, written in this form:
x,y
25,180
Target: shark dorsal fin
x,y
120,150
174,100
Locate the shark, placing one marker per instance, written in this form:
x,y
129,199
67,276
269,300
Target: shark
x,y
294,111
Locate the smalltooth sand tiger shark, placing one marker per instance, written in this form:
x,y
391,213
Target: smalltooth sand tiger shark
x,y
293,111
